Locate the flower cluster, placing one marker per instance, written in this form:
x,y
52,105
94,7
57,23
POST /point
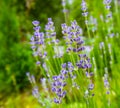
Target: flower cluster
x,y
63,3
108,6
31,78
50,32
109,18
43,99
58,86
84,8
106,83
107,3
35,90
72,35
59,81
37,42
51,39
38,37
40,40
84,62
64,7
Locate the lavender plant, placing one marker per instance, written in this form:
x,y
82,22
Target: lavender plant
x,y
72,74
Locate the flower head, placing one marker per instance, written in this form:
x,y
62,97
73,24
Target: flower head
x,y
35,23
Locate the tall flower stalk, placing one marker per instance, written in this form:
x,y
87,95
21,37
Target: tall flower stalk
x,y
85,14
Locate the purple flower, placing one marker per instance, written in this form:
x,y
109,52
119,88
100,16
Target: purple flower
x,y
81,49
64,10
72,37
38,40
93,94
45,67
35,23
64,71
64,93
38,62
61,77
63,3
84,63
82,55
53,89
57,41
108,92
91,86
107,4
59,82
33,47
36,28
55,78
84,8
106,83
31,78
85,14
64,65
74,49
32,38
50,32
64,84
83,5
35,92
57,101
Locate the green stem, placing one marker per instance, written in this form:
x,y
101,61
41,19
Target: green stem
x,y
88,31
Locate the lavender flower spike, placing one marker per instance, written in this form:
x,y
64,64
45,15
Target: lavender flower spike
x,y
84,8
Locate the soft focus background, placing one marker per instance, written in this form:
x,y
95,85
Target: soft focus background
x,y
15,53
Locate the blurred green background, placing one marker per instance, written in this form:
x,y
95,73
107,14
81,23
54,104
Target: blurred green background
x,y
15,53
